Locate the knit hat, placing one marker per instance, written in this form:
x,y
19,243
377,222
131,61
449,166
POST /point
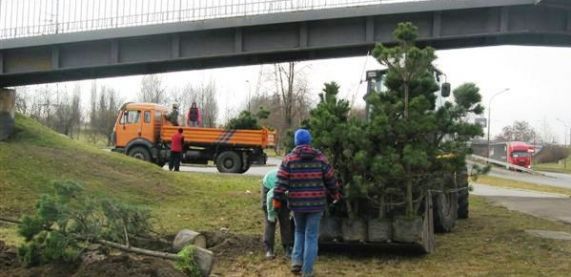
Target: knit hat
x,y
301,137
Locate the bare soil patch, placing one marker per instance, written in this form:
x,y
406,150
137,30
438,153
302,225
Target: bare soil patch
x,y
128,265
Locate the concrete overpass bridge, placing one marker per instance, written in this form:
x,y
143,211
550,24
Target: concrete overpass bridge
x,y
100,41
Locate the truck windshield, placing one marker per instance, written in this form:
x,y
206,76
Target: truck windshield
x,y
520,154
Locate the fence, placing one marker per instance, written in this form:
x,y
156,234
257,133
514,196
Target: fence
x,y
26,18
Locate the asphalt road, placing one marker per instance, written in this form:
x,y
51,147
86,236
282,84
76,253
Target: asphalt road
x,y
551,179
255,170
544,205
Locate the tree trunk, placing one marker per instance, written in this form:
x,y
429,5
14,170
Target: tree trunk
x,y
406,92
408,200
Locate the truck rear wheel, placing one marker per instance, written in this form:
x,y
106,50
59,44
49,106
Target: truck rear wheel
x,y
229,162
463,195
141,153
445,211
463,204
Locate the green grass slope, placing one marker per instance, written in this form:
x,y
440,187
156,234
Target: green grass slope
x,y
493,242
36,155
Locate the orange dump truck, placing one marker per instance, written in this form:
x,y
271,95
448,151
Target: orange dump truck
x,y
143,131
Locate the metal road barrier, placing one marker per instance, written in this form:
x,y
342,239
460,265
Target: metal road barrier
x,y
27,18
476,158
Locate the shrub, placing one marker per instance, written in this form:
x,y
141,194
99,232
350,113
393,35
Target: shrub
x,y
66,221
552,154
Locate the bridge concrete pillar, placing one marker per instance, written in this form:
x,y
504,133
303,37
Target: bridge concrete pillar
x,y
7,112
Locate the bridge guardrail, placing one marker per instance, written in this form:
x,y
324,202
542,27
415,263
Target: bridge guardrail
x,y
28,18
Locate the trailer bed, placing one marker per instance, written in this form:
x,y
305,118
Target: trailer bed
x,y
209,136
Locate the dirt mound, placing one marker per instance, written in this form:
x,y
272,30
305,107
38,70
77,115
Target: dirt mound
x,y
127,265
10,266
228,246
8,257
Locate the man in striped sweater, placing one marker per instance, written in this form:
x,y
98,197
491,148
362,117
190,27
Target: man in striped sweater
x,y
305,178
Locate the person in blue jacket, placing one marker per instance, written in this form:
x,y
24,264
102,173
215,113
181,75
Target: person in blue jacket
x,y
273,216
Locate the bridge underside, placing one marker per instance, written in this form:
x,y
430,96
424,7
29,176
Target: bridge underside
x,y
547,25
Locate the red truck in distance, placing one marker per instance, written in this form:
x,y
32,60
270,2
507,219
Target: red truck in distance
x,y
512,152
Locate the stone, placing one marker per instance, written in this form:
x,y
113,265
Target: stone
x,y
186,237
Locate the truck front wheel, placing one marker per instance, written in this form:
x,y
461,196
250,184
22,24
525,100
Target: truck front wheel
x,y
229,162
141,153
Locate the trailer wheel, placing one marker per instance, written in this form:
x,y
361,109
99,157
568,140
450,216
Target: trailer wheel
x,y
463,195
463,204
141,153
229,162
445,211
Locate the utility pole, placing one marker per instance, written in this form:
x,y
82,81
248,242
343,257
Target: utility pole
x,y
249,91
490,116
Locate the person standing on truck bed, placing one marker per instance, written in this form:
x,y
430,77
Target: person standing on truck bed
x,y
193,116
177,141
304,178
173,115
271,215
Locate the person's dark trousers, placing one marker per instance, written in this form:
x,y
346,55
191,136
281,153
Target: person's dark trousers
x,y
285,230
174,161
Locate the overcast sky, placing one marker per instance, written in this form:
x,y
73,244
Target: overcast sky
x,y
539,79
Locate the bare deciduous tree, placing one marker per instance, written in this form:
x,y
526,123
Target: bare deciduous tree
x,y
152,90
22,100
293,89
520,131
52,106
104,107
67,114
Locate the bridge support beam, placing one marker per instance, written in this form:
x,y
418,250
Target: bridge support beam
x,y
7,112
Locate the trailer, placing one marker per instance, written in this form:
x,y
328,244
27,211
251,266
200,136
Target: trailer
x,y
384,222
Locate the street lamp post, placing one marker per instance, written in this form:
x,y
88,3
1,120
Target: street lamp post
x,y
490,116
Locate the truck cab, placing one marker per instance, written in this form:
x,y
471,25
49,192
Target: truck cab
x,y
137,122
